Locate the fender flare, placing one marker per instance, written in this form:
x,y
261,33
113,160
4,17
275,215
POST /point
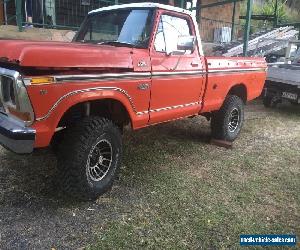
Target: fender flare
x,y
46,125
73,98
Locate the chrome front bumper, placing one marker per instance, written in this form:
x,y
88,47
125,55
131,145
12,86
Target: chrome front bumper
x,y
15,136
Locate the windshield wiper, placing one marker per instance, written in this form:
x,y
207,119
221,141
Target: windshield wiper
x,y
117,43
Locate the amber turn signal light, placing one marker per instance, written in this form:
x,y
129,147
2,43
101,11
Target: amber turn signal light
x,y
42,80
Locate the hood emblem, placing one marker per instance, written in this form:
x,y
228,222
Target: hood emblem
x,y
142,63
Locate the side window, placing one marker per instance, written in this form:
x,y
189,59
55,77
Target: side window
x,y
159,43
169,29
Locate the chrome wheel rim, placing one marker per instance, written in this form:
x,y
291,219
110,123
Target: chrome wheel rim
x,y
234,120
99,160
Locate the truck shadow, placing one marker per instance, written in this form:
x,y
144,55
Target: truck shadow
x,y
35,177
30,197
287,109
28,176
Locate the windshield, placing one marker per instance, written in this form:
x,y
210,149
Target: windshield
x,y
128,27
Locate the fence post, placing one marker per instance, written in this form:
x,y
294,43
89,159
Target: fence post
x,y
19,14
5,12
198,11
247,26
275,23
233,20
182,4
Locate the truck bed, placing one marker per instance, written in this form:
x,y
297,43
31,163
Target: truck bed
x,y
285,73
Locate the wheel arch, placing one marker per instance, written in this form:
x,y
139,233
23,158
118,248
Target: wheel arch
x,y
48,124
108,107
239,90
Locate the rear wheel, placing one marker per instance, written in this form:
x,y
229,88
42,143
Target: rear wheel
x,y
89,158
294,103
226,123
271,101
267,101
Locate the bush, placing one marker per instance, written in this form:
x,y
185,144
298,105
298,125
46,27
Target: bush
x,y
285,14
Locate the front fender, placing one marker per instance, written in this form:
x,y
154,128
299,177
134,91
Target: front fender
x,y
47,122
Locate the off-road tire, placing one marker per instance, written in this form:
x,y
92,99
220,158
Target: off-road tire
x,y
294,103
75,153
221,119
271,101
267,101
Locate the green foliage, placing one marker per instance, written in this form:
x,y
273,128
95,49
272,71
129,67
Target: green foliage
x,y
269,9
285,14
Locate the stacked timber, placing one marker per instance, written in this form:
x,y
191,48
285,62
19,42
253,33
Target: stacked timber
x,y
266,43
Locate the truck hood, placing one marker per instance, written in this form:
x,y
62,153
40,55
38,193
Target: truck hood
x,y
61,54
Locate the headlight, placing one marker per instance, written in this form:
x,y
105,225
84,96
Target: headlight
x,y
14,97
8,90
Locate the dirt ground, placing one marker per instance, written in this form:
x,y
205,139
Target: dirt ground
x,y
175,190
36,34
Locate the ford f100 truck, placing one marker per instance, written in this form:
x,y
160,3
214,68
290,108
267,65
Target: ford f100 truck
x,y
135,64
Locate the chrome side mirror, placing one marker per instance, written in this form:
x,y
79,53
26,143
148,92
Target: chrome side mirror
x,y
186,43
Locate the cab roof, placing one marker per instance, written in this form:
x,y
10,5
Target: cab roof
x,y
142,5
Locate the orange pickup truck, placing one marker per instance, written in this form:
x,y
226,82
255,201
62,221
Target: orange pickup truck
x,y
138,64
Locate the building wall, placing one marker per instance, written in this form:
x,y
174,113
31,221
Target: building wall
x,y
223,12
217,17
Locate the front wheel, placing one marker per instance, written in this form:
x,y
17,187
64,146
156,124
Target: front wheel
x,y
89,158
227,123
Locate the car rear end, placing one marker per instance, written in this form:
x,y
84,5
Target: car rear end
x,y
283,82
16,113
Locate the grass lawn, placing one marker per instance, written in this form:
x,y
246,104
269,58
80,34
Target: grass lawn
x,y
176,191
179,192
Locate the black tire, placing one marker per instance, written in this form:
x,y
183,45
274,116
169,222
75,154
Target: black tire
x,y
56,141
87,147
267,101
226,123
294,103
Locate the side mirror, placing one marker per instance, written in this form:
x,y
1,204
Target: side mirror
x,y
186,43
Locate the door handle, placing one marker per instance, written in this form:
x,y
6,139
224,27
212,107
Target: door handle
x,y
143,86
194,64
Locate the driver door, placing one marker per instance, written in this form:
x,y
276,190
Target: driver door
x,y
177,78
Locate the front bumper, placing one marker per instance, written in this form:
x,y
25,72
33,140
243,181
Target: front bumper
x,y
15,136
